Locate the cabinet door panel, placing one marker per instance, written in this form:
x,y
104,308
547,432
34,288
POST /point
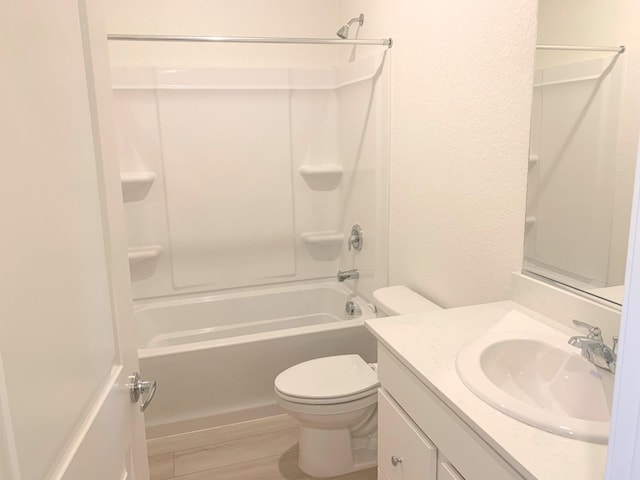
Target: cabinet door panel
x,y
471,455
404,453
446,470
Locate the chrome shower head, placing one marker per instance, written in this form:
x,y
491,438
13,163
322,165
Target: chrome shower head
x,y
344,30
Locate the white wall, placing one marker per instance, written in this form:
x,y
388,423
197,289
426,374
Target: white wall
x,y
282,18
461,87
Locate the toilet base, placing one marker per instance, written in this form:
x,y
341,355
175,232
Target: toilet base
x,y
329,453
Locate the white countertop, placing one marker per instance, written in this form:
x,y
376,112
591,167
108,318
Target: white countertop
x,y
427,344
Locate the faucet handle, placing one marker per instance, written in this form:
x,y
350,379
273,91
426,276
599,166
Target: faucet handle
x,y
615,344
594,332
355,240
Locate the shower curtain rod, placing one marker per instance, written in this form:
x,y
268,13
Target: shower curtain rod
x,y
619,49
290,40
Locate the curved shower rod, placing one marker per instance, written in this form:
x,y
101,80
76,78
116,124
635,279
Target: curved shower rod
x,y
388,42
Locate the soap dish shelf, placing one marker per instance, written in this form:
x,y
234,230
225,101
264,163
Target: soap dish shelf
x,y
141,254
136,185
322,177
321,170
329,238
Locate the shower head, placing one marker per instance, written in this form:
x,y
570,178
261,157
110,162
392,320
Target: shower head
x,y
344,30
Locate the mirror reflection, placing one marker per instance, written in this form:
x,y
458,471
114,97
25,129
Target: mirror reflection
x,y
584,138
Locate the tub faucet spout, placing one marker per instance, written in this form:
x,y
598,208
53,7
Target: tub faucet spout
x,y
348,274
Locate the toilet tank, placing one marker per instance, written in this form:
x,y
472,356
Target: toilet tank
x,y
401,300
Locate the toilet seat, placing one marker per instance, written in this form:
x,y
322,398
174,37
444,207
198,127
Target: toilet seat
x,y
327,409
327,401
327,381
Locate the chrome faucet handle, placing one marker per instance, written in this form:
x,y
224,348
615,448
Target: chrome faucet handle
x,y
615,344
595,333
355,240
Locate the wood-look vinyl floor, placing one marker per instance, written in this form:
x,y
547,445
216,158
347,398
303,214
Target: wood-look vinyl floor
x,y
264,449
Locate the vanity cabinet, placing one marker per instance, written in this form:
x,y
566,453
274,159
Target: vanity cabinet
x,y
404,452
426,435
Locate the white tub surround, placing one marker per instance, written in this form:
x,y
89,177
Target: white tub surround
x,y
215,357
253,175
420,350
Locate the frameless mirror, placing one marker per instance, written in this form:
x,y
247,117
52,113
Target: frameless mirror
x,y
585,121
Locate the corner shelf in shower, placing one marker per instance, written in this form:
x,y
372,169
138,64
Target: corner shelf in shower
x,y
322,177
323,245
329,238
136,185
320,170
146,252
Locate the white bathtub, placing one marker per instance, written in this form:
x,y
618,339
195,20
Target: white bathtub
x,y
215,357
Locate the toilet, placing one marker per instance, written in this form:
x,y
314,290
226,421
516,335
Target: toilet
x,y
335,400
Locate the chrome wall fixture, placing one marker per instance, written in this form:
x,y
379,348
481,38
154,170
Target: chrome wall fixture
x,y
356,239
352,274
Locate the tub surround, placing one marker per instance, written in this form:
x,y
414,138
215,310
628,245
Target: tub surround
x,y
317,163
425,345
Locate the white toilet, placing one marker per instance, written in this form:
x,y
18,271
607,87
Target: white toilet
x,y
335,400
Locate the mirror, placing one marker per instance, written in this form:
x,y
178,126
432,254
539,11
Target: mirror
x,y
585,121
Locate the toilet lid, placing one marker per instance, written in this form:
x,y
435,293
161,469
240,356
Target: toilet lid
x,y
326,378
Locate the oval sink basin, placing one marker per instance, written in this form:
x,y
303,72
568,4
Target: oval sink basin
x,y
539,380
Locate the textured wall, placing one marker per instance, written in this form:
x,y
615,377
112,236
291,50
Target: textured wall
x,y
461,88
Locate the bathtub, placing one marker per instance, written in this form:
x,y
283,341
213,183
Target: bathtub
x,y
215,356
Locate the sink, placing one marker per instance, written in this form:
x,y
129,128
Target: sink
x,y
540,380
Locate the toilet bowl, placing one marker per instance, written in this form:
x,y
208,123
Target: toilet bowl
x,y
335,400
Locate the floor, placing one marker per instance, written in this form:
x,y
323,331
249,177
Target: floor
x,y
264,449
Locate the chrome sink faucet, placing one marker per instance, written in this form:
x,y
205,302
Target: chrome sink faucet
x,y
594,349
348,274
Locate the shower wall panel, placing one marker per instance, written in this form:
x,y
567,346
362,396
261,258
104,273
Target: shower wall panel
x,y
249,176
227,161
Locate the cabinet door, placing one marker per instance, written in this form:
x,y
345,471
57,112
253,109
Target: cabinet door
x,y
446,471
404,452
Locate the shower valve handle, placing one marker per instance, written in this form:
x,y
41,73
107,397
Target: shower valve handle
x,y
355,240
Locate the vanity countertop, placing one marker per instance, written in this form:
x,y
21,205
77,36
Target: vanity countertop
x,y
427,344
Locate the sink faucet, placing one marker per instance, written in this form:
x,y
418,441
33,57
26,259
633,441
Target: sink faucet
x,y
348,274
594,349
